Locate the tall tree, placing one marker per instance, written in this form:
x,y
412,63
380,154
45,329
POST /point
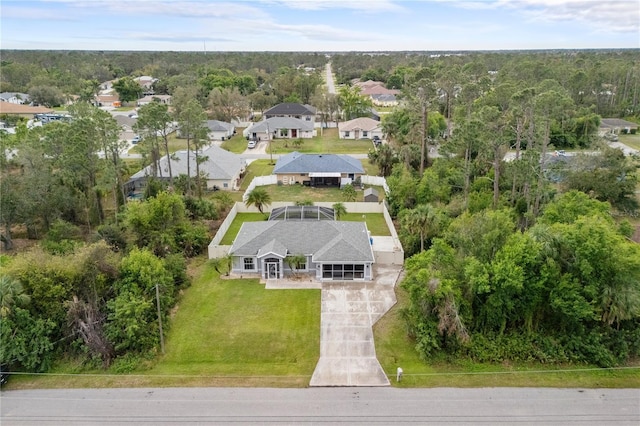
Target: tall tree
x,y
227,104
128,89
191,122
353,103
155,122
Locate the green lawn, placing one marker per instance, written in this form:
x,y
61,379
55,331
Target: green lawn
x,y
175,144
256,168
395,349
375,222
237,144
237,223
632,141
328,143
237,328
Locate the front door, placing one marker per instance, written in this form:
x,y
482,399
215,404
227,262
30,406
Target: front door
x,y
272,270
294,133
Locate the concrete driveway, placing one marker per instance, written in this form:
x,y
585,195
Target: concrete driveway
x,y
349,311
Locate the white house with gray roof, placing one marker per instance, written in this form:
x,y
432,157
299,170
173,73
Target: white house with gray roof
x,y
222,169
281,128
317,169
333,250
220,130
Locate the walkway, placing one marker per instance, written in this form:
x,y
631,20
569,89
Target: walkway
x,y
349,311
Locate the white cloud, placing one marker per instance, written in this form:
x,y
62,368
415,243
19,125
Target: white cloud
x,y
370,6
612,16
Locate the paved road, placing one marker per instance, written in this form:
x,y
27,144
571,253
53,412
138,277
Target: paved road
x,y
327,406
331,87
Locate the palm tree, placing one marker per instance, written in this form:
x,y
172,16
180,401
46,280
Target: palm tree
x,y
259,197
420,220
339,210
11,294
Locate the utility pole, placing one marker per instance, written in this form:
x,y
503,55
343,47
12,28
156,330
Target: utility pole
x,y
159,319
269,139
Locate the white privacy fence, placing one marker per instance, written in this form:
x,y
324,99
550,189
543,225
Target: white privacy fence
x,y
259,181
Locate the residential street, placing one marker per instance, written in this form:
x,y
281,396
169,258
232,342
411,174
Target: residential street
x,y
328,406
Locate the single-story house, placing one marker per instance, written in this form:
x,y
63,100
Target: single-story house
x,y
222,169
281,128
360,128
107,100
15,98
163,99
220,130
294,110
616,126
386,100
23,110
317,169
332,250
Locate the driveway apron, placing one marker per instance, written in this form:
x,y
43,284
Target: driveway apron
x,y
349,311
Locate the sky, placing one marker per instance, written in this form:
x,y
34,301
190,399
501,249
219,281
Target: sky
x,y
319,25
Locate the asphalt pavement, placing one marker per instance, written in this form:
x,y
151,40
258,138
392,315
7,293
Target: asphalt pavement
x,y
326,406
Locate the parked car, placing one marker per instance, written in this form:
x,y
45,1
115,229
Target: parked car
x,y
136,139
376,140
251,144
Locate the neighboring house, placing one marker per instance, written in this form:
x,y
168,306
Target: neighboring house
x,y
222,169
220,130
616,126
15,98
146,82
163,99
380,95
332,250
387,100
125,122
317,169
299,111
107,100
27,111
281,128
360,128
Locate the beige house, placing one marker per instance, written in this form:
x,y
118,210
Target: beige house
x,y
360,128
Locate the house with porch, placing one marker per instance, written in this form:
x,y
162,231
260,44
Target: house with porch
x,y
280,128
220,130
329,250
317,169
360,128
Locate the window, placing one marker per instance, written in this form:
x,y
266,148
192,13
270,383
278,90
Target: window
x,y
343,272
284,133
249,265
346,134
364,133
226,185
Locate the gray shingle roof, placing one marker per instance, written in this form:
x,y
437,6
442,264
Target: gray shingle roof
x,y
276,123
326,241
290,108
220,164
317,163
219,126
